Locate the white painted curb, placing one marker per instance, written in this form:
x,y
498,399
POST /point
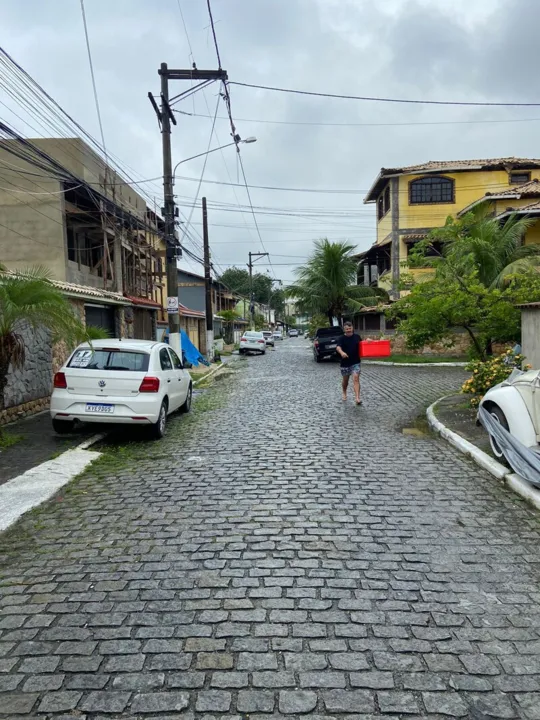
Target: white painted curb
x,y
397,364
514,481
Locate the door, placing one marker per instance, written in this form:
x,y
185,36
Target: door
x,y
182,378
168,378
101,316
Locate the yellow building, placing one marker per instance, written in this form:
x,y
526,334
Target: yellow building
x,y
413,200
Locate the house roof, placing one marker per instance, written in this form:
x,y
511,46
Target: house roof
x,y
531,209
439,166
85,292
531,305
144,302
183,310
529,189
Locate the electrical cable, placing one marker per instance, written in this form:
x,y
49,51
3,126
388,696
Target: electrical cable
x,y
386,99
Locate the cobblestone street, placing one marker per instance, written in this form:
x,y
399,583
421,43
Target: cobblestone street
x,y
280,553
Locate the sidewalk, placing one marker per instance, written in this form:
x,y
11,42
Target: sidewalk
x,y
38,444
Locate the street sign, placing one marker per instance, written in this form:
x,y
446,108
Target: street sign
x,y
172,304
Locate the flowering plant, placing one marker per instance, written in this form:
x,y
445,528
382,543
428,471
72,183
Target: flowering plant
x,y
489,373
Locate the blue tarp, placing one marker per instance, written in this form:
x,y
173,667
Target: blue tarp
x,y
190,352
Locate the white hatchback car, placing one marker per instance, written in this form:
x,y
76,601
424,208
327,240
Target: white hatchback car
x,y
252,341
132,382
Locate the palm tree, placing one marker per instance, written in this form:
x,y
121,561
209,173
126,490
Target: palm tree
x,y
482,244
327,282
29,299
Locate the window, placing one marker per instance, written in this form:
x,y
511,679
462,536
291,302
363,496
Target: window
x,y
109,359
430,190
175,360
383,203
518,178
164,359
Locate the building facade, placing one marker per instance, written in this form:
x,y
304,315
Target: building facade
x,y
412,201
85,225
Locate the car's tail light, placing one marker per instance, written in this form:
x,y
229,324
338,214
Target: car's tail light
x,y
60,380
243,339
316,343
261,341
149,385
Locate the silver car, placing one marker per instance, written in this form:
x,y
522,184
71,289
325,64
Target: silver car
x,y
252,341
269,337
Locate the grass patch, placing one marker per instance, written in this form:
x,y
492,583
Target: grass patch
x,y
421,359
7,439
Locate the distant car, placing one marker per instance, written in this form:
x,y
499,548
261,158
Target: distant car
x,y
269,337
120,382
252,341
293,332
325,342
278,335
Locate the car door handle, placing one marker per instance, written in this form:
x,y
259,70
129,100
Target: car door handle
x,y
169,380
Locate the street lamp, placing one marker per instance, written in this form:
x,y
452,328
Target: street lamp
x,y
247,141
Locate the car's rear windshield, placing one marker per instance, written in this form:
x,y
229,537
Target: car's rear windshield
x,y
326,332
267,333
109,359
253,334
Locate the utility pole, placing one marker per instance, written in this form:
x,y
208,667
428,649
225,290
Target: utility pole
x,y
208,286
251,298
165,118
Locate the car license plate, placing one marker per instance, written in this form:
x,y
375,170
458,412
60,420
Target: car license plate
x,y
99,408
332,347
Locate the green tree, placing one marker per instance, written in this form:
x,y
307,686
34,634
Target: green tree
x,y
482,244
433,310
29,299
327,283
229,318
237,279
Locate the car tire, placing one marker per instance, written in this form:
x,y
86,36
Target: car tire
x,y
241,352
317,358
263,352
498,415
186,407
158,428
63,427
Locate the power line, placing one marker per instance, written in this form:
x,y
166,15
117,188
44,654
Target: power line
x,y
371,124
386,99
214,32
96,99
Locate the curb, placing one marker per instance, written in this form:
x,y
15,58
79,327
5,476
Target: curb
x,y
434,364
210,374
514,481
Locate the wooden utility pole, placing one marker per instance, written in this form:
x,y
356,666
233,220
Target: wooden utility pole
x,y
165,118
208,287
251,298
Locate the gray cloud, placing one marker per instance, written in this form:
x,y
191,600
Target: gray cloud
x,y
472,51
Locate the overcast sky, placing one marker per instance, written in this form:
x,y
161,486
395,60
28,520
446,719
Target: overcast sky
x,y
473,50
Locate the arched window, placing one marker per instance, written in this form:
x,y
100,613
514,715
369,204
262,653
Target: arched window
x,y
429,190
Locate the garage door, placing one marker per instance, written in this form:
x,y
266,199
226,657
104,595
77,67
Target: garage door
x,y
102,316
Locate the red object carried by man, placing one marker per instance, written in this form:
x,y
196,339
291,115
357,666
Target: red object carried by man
x,y
374,348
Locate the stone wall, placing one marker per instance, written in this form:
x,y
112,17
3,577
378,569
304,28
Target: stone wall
x,y
459,346
33,381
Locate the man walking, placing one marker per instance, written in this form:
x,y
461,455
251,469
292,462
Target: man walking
x,y
348,349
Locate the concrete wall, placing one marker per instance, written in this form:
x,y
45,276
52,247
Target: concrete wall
x,y
31,218
530,335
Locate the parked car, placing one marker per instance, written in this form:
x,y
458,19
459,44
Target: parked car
x,y
515,405
252,341
269,337
325,342
120,382
293,332
278,335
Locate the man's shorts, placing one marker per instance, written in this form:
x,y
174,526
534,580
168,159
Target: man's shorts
x,y
352,370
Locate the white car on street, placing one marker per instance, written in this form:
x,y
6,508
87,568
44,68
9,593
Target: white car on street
x,y
278,335
252,341
128,382
269,337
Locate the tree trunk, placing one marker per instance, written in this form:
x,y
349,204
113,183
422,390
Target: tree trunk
x,y
481,352
489,347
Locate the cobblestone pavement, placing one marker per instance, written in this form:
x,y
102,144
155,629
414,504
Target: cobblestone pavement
x,y
279,554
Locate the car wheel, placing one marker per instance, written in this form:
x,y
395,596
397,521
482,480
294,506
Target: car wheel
x,y
186,407
317,358
263,352
159,427
498,415
63,427
240,352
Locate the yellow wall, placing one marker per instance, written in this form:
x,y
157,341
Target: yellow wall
x,y
532,236
469,186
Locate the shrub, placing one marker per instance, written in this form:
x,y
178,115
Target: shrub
x,y
489,373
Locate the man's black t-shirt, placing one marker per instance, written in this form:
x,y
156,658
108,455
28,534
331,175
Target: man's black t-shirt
x,y
351,346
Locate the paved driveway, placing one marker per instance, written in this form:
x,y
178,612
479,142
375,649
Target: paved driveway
x,y
279,553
